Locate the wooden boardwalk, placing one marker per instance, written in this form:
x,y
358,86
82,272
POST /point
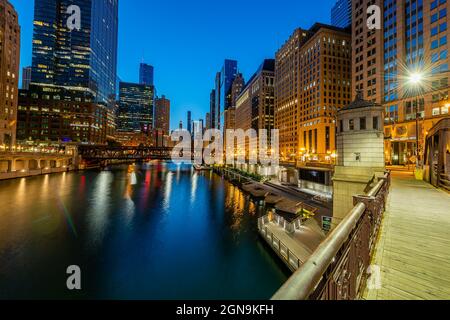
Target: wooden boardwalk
x,y
413,251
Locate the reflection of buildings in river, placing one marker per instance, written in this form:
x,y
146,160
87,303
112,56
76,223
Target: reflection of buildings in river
x,y
99,206
168,189
194,183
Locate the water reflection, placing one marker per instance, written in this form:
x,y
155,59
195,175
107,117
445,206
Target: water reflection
x,y
99,209
170,233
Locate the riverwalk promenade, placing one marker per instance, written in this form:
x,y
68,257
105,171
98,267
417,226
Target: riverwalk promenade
x,y
413,250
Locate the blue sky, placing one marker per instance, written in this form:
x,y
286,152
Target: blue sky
x,y
187,41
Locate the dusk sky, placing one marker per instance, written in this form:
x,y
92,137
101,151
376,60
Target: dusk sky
x,y
187,41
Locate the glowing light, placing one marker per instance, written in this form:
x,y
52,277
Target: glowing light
x,y
415,78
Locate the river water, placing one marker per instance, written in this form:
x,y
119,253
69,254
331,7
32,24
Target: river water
x,y
158,231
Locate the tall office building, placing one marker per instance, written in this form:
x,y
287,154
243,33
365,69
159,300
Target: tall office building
x,y
135,108
189,121
341,14
212,109
223,94
146,74
9,72
26,78
313,82
413,41
162,115
255,105
55,115
230,112
208,121
83,60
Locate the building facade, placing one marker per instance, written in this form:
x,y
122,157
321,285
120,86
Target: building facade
x,y
208,121
412,43
84,59
162,115
256,103
9,72
146,74
341,14
26,78
312,82
212,109
135,112
223,92
55,115
287,93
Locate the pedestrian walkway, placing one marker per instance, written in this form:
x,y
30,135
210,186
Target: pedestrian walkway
x,y
413,251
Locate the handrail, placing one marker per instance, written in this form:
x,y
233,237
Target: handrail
x,y
266,232
303,282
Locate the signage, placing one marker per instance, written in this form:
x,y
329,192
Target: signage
x,y
326,223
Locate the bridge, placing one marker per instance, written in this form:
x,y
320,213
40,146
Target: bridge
x,y
26,164
104,153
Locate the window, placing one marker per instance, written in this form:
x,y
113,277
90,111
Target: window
x,y
375,123
362,123
351,124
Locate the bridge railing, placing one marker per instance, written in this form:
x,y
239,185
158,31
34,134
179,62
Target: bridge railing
x,y
337,270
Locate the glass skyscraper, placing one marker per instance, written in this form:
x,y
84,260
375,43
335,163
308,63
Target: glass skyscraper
x,y
84,59
135,108
146,74
224,81
341,14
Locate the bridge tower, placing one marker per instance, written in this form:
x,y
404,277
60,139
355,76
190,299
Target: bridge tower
x,y
360,153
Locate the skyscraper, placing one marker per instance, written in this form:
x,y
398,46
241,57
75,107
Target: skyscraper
x,y
189,121
26,78
255,104
135,108
223,100
341,14
162,115
208,121
83,60
212,110
307,102
413,41
9,72
146,73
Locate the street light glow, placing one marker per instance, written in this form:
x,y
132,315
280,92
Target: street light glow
x,y
415,78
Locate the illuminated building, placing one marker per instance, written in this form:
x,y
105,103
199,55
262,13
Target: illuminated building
x,y
26,78
9,72
84,59
312,82
413,41
255,104
162,115
54,115
135,112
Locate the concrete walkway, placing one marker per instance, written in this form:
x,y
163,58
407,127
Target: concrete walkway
x,y
413,251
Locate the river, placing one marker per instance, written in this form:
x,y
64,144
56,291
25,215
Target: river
x,y
159,231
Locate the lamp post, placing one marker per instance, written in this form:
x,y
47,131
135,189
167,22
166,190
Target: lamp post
x,y
415,81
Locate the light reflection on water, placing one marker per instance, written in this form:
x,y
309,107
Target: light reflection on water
x,y
172,234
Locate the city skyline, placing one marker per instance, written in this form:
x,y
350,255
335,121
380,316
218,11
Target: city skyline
x,y
188,81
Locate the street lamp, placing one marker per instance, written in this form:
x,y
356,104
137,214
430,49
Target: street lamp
x,y
415,80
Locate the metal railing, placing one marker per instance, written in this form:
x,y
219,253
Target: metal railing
x,y
337,268
280,248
